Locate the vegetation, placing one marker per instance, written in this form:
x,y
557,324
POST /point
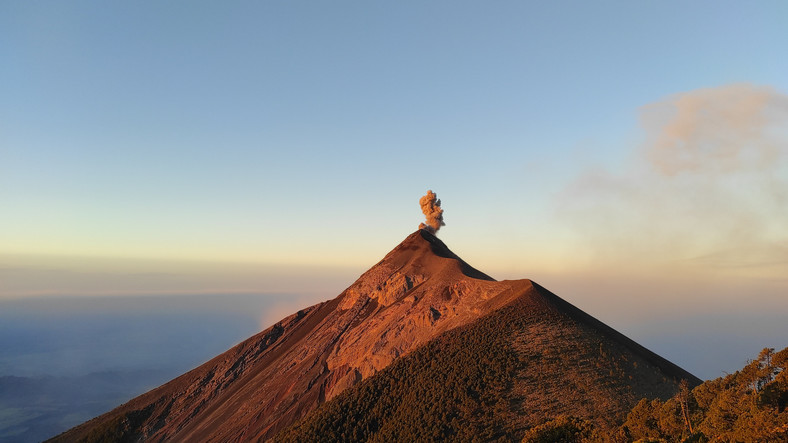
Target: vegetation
x,y
517,373
459,394
750,405
119,430
463,392
562,430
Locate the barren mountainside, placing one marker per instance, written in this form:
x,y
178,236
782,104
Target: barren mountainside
x,y
412,300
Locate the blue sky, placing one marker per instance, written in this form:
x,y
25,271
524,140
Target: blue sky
x,y
181,130
204,144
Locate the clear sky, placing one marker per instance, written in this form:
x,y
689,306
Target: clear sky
x,y
185,146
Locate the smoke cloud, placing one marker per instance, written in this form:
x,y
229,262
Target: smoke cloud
x,y
431,207
709,187
720,130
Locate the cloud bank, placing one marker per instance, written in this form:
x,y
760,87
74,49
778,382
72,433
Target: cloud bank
x,y
709,185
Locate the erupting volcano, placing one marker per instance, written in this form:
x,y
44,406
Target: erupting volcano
x,y
420,314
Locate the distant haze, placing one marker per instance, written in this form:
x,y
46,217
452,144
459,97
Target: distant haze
x,y
67,359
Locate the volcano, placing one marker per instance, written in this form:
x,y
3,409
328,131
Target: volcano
x,y
402,320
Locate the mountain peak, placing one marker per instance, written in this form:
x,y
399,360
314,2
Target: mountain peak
x,y
416,293
424,250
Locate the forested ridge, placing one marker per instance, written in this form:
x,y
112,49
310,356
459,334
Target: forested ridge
x,y
480,382
463,392
750,405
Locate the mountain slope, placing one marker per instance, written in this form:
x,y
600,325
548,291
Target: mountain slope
x,y
418,291
532,360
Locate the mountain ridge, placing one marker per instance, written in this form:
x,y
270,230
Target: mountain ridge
x,y
417,292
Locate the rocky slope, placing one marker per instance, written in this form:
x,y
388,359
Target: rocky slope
x,y
534,360
268,382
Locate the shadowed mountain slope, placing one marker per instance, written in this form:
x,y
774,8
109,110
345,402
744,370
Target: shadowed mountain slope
x,y
535,359
418,292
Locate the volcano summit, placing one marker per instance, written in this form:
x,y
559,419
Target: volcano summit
x,y
488,358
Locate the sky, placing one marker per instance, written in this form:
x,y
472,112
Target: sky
x,y
629,156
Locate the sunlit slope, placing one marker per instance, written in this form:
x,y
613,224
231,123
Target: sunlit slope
x,y
418,291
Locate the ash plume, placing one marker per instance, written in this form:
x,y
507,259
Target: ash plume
x,y
709,186
722,130
431,207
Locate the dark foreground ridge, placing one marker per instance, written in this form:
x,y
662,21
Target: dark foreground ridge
x,y
465,354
